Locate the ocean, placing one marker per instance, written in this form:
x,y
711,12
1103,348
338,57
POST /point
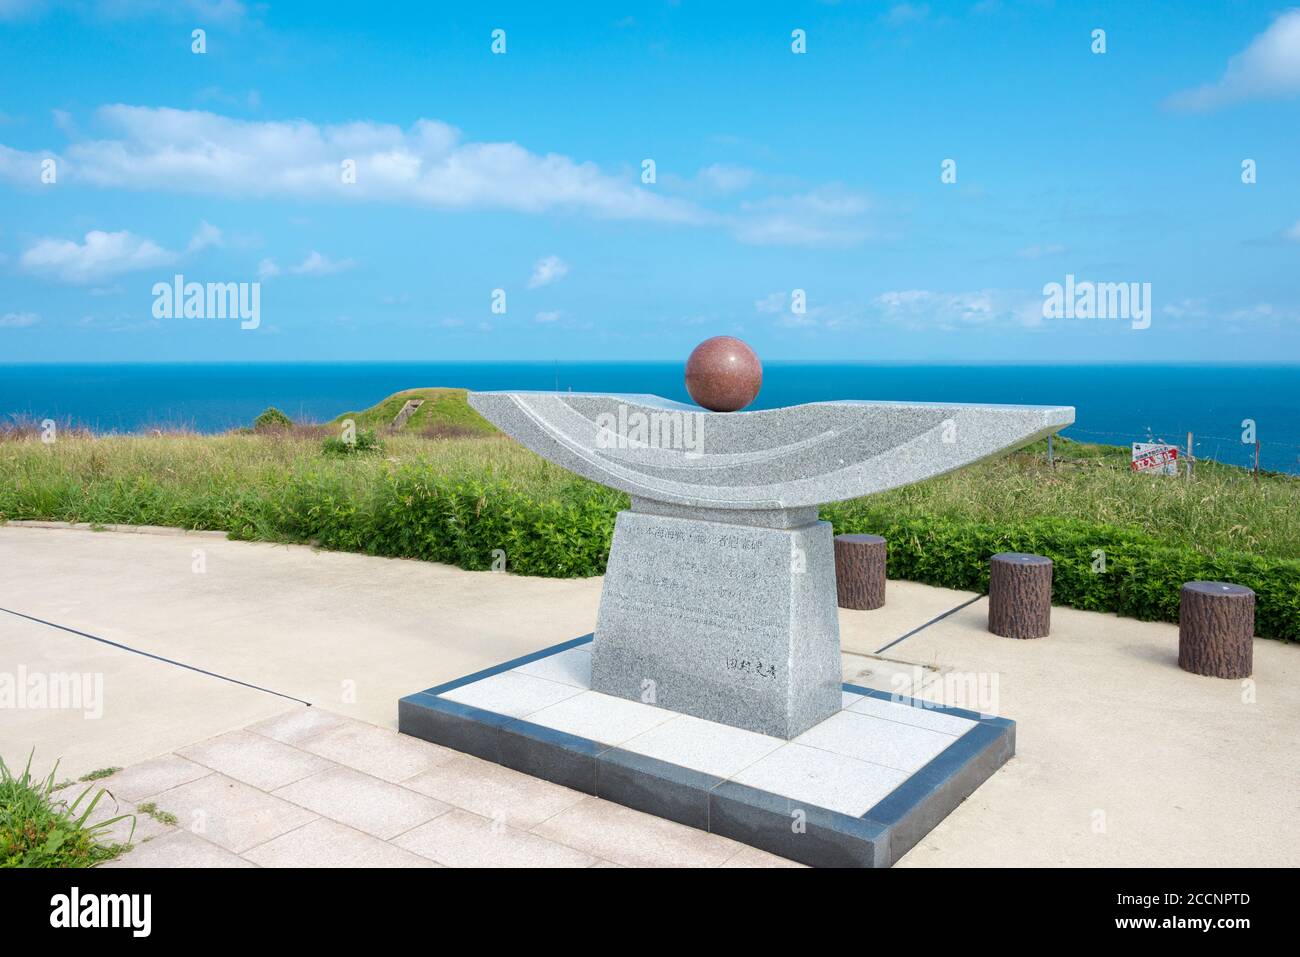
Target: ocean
x,y
1116,404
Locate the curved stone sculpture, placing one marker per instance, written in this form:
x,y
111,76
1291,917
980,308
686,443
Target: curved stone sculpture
x,y
669,453
719,597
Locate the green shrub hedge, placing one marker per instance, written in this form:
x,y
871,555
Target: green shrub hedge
x,y
1142,576
562,528
415,512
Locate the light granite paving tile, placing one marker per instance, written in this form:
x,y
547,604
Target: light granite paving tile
x,y
822,779
493,791
363,802
154,776
619,834
707,746
753,857
511,693
254,759
178,849
849,698
463,839
230,813
325,843
299,724
571,667
380,752
600,717
928,718
903,747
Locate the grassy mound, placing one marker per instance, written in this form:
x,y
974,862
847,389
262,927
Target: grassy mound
x,y
444,413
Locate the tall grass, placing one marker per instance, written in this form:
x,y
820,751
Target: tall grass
x,y
281,487
37,829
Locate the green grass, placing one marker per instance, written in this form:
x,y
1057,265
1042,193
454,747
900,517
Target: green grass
x,y
39,830
457,500
1223,507
445,412
159,815
98,773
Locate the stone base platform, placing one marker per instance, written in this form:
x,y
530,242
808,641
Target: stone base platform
x,y
858,789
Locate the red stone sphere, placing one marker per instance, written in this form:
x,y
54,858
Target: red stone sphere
x,y
723,374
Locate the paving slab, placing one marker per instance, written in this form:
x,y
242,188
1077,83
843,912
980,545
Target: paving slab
x,y
376,751
143,780
324,843
229,813
179,849
463,839
299,723
634,839
254,759
363,802
493,791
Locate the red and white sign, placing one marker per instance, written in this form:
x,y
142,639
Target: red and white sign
x,y
1155,458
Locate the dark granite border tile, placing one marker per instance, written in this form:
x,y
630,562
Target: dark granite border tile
x,y
451,724
796,830
552,755
656,787
913,809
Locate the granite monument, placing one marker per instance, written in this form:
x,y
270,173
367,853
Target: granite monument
x,y
719,597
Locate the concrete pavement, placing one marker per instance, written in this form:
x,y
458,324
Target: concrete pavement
x,y
1121,759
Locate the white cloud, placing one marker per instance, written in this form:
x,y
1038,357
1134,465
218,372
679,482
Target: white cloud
x,y
101,255
429,164
318,265
206,235
901,14
1293,234
827,216
546,271
552,315
267,269
1269,66
18,320
724,178
771,303
925,309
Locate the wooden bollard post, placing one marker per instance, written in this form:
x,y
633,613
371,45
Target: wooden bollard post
x,y
1020,595
1216,629
860,571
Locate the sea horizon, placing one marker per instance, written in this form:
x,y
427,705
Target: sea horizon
x,y
1115,403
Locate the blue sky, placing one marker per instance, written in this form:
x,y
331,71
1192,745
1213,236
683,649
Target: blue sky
x,y
775,171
